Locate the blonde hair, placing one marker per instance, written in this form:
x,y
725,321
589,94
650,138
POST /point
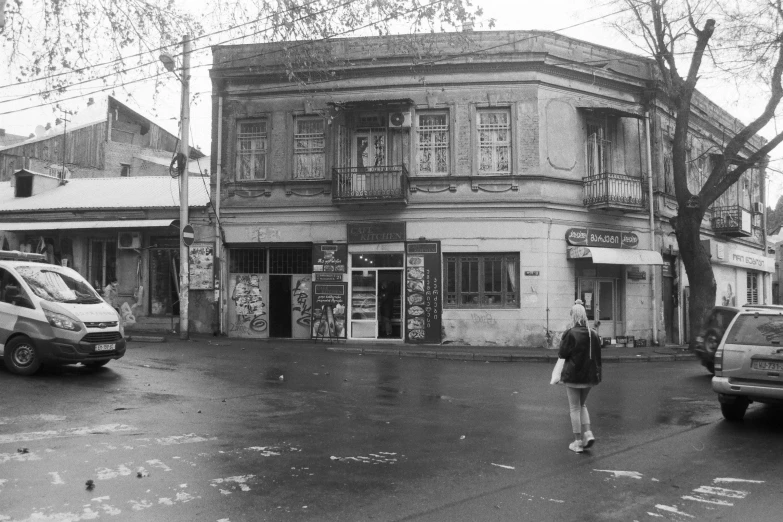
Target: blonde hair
x,y
578,315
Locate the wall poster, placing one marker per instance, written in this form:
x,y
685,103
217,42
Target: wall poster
x,y
247,311
329,301
424,301
201,258
330,257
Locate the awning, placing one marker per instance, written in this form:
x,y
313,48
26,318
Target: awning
x,y
616,256
67,225
611,111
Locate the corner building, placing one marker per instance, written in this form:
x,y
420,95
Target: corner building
x,y
466,199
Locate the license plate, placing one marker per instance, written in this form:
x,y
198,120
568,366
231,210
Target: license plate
x,y
104,347
767,365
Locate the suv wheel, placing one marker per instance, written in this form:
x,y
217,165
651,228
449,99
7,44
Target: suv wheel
x,y
734,411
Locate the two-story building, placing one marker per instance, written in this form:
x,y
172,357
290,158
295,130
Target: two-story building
x,y
484,187
98,194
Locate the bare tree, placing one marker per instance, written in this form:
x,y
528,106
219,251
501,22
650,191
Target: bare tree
x,y
687,39
58,45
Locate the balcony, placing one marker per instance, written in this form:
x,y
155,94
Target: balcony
x,y
385,184
610,191
732,220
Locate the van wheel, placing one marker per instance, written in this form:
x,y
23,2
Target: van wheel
x,y
96,364
21,356
734,411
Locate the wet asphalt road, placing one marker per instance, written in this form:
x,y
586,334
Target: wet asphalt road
x,y
225,430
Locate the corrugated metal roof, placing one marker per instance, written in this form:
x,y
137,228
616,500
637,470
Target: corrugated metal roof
x,y
108,193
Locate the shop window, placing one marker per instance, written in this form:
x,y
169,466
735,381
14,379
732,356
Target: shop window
x,y
309,141
433,149
252,150
103,262
482,281
248,261
290,260
494,141
753,288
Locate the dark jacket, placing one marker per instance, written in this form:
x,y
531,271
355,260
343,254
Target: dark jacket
x,y
583,361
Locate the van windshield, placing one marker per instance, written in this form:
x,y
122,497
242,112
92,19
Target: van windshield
x,y
58,286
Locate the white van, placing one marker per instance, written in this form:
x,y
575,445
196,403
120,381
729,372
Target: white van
x,y
50,314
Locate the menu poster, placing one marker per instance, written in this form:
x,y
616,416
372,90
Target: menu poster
x,y
423,298
330,257
201,258
329,310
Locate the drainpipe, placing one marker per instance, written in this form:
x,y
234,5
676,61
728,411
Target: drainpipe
x,y
653,278
218,237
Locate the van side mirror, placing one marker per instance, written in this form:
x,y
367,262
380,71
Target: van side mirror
x,y
14,296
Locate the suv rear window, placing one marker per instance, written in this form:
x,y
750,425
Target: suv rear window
x,y
758,330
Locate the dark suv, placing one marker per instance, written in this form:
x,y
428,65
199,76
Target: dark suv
x,y
711,335
749,361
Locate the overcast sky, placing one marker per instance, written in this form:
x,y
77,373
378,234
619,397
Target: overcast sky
x,y
582,19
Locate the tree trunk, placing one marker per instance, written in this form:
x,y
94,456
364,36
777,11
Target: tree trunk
x,y
701,279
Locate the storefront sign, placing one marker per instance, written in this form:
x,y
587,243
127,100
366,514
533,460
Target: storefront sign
x,y
390,232
328,257
329,310
201,258
328,276
750,261
636,274
423,299
601,238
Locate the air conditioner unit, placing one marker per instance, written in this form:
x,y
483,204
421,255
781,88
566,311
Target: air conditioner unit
x,y
758,207
129,240
400,120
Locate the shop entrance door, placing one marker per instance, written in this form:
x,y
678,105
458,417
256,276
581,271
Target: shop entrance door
x,y
376,299
600,298
164,281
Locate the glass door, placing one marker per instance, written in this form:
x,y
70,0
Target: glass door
x,y
599,297
364,314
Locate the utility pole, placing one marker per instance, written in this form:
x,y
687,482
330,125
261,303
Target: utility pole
x,y
184,145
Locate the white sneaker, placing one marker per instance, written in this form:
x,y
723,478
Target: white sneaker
x,y
576,446
587,439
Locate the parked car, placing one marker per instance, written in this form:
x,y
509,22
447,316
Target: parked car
x,y
49,314
749,361
712,333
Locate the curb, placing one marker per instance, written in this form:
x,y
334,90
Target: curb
x,y
501,357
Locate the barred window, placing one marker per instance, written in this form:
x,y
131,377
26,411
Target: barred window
x,y
252,150
309,148
247,261
494,136
668,169
290,260
753,288
433,153
599,149
482,281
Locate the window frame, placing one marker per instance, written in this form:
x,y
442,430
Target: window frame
x,y
509,142
314,152
752,288
508,299
431,146
265,139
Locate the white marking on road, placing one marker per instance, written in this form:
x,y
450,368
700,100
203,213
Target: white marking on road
x,y
107,474
655,514
672,509
501,466
225,492
189,438
617,474
138,505
266,451
155,463
240,480
722,492
719,480
56,478
73,432
707,501
185,497
18,457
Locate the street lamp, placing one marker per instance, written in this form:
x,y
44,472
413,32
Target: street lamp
x,y
184,155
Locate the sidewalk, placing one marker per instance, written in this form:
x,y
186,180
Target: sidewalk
x,y
609,354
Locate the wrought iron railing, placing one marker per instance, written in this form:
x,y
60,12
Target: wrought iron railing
x,y
732,220
614,190
388,183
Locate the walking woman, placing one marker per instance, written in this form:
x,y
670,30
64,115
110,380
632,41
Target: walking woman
x,y
581,349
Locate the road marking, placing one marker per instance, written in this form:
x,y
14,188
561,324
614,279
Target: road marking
x,y
617,474
672,509
73,432
719,480
56,478
707,501
722,492
498,465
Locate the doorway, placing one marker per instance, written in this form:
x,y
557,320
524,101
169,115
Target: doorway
x,y
164,281
600,300
280,313
376,303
